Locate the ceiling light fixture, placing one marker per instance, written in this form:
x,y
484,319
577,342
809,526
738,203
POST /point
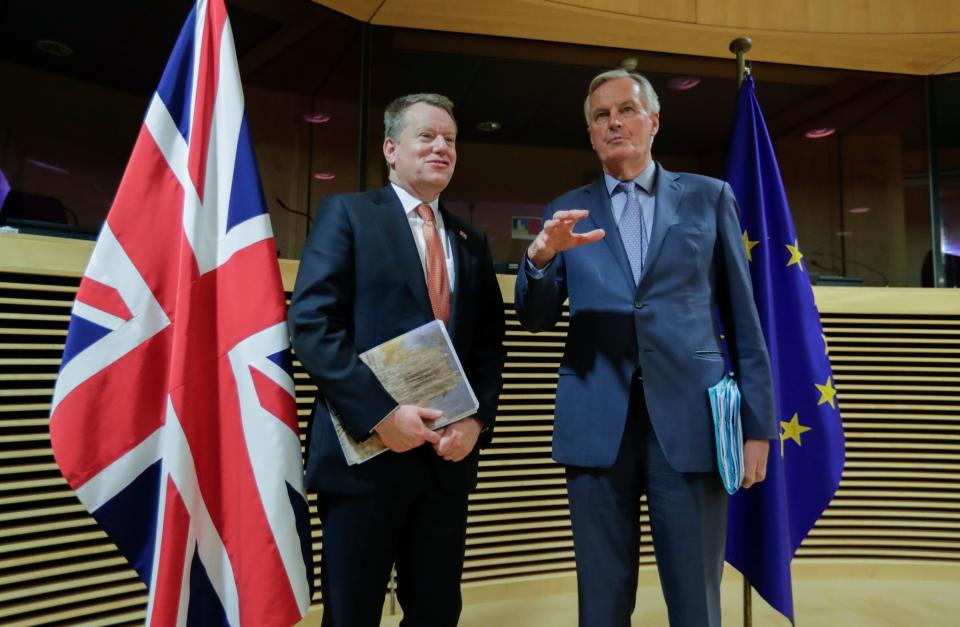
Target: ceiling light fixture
x,y
860,210
820,133
324,176
489,126
53,48
629,64
316,118
683,83
844,233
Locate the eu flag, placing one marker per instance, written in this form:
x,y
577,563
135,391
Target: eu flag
x,y
768,522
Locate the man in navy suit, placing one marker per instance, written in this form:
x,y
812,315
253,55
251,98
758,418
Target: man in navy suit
x,y
376,265
651,261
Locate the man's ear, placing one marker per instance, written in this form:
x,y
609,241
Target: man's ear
x,y
390,151
654,123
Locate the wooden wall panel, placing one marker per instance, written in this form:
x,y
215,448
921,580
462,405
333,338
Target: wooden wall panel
x,y
896,360
904,36
828,16
677,11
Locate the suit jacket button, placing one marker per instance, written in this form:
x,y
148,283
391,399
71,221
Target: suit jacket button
x,y
639,304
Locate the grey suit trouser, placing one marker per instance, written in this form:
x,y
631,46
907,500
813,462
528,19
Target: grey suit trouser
x,y
688,519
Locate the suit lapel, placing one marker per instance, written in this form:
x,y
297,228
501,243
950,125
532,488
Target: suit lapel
x,y
665,214
601,213
396,235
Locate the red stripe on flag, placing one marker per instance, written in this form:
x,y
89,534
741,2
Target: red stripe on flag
x,y
276,400
111,412
206,80
214,312
103,297
257,265
147,219
168,583
209,411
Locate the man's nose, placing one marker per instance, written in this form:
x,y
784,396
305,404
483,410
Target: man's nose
x,y
614,120
440,143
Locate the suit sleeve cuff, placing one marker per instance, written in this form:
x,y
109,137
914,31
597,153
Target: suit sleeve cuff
x,y
373,429
534,272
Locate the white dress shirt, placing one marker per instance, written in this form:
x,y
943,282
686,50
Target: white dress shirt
x,y
410,204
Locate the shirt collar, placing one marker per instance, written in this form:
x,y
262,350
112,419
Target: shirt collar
x,y
410,202
644,179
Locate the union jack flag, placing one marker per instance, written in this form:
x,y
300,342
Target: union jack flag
x,y
173,415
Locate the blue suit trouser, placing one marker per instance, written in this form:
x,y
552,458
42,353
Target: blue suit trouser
x,y
688,519
418,527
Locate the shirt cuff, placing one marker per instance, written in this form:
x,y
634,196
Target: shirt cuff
x,y
533,271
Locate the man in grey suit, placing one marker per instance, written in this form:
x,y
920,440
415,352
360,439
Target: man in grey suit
x,y
654,267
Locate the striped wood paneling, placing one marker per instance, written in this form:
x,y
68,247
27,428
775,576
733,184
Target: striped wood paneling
x,y
896,359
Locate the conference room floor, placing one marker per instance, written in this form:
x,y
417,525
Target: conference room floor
x,y
842,594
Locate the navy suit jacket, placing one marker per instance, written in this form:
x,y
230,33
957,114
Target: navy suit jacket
x,y
361,283
667,326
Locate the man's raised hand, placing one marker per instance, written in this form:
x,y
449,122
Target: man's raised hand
x,y
557,236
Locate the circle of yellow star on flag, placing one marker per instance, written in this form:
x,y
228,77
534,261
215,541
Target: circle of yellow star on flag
x,y
827,393
791,431
795,254
749,244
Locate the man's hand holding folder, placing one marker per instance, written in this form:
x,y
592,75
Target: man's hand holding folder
x,y
742,463
754,461
458,439
407,427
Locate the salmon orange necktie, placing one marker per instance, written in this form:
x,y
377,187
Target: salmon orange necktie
x,y
437,284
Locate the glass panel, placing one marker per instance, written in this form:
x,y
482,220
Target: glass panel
x,y
83,74
946,134
858,192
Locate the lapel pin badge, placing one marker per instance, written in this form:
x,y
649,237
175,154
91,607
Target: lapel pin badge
x,y
462,234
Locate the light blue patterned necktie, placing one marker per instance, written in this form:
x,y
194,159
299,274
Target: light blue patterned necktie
x,y
633,230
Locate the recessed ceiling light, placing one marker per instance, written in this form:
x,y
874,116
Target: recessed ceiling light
x,y
820,133
844,233
324,176
629,64
316,118
683,83
859,210
488,126
53,48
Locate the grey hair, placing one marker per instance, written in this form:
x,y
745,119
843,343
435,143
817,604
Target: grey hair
x,y
648,96
394,118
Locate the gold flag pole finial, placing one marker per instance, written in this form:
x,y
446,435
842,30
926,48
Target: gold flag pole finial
x,y
740,47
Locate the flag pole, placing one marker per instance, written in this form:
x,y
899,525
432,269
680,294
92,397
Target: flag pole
x,y
740,47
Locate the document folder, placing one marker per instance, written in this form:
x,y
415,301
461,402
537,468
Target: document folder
x,y
725,406
421,368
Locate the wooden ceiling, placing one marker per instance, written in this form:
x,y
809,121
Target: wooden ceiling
x,y
901,36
